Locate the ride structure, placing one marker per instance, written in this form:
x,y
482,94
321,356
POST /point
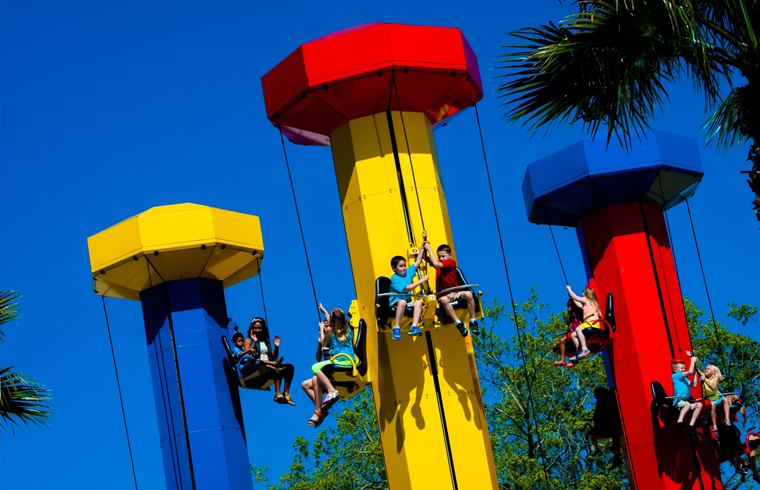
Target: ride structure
x,y
616,200
374,94
176,260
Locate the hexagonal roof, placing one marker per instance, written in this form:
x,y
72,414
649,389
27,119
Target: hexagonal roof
x,y
347,74
181,241
562,188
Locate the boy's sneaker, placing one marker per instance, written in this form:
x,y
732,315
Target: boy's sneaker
x,y
462,329
396,333
415,331
474,327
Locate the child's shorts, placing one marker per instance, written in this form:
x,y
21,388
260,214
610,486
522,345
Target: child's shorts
x,y
341,361
716,400
455,296
682,403
409,304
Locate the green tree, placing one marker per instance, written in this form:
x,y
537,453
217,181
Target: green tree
x,y
737,356
610,62
537,414
21,400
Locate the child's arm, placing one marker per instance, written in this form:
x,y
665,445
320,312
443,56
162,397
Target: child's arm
x,y
433,259
711,383
419,259
575,297
324,311
692,366
416,284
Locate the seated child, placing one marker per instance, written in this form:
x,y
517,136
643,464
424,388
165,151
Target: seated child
x,y
402,282
339,339
681,389
239,351
591,316
445,278
573,321
710,379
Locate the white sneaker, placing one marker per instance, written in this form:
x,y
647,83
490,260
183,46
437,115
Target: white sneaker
x,y
584,353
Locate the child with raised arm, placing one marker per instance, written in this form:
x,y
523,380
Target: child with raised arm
x,y
403,283
710,379
683,400
591,315
446,278
573,320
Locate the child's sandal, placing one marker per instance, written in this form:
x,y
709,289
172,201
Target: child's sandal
x,y
728,423
560,363
288,399
279,399
317,419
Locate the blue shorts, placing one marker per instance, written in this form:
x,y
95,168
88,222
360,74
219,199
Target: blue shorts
x,y
716,402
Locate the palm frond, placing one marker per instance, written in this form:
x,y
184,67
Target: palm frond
x,y
606,64
8,308
22,400
727,126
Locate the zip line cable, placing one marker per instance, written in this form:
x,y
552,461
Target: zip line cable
x,y
512,302
177,472
118,385
662,263
556,247
298,215
709,301
261,287
408,149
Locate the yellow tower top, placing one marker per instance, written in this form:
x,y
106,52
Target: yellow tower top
x,y
181,241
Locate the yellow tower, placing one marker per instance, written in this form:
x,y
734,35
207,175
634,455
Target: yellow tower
x,y
347,90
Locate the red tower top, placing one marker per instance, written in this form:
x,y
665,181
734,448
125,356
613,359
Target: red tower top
x,y
348,74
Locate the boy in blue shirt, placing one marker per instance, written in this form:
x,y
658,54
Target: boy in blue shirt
x,y
237,348
681,388
402,281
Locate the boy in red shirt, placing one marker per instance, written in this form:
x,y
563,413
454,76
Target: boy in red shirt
x,y
445,278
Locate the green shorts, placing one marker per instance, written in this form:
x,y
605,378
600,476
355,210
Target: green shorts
x,y
341,361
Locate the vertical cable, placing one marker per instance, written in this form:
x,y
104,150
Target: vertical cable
x,y
118,385
408,150
555,246
261,287
173,436
514,309
709,301
298,215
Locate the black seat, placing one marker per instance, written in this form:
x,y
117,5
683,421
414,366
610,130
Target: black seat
x,y
729,445
342,376
253,376
663,412
383,311
460,304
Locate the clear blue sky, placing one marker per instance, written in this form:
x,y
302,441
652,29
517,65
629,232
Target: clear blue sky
x,y
109,109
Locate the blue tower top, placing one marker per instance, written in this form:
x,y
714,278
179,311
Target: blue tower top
x,y
563,187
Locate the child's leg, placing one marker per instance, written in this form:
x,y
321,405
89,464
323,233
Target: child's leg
x,y
326,382
581,338
467,295
562,349
743,410
446,304
418,312
695,415
308,387
574,338
400,308
726,409
684,410
713,414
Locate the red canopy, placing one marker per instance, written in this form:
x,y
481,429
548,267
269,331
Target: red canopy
x,y
348,74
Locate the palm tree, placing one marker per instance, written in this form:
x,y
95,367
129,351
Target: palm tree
x,y
610,63
21,400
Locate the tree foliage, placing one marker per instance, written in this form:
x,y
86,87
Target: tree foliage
x,y
537,413
610,63
21,399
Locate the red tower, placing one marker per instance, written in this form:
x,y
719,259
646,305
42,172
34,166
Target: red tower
x,y
616,200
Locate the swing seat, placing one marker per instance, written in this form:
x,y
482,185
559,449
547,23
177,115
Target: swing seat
x,y
460,305
251,375
664,414
606,423
386,314
597,339
349,380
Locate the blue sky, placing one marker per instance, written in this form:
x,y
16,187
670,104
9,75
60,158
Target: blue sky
x,y
110,109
